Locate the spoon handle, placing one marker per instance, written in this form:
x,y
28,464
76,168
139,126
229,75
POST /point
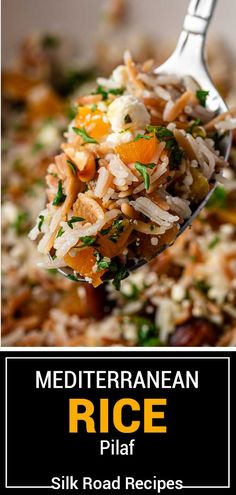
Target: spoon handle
x,y
189,53
199,15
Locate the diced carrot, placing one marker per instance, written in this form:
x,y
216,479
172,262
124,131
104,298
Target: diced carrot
x,y
93,122
83,264
142,150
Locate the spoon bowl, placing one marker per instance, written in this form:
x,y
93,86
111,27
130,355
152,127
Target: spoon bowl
x,y
188,59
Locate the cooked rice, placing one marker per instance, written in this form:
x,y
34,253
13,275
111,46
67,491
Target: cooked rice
x,y
141,141
41,308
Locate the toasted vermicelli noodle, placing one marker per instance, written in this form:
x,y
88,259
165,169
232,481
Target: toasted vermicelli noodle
x,y
138,160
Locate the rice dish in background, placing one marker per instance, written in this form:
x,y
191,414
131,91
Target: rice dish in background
x,y
186,297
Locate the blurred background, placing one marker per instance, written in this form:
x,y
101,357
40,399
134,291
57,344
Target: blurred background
x,y
52,51
78,20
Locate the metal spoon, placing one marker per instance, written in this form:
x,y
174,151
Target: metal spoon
x,y
188,59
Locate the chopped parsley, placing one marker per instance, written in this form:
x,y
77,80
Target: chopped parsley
x,y
60,232
214,242
37,146
106,231
70,79
21,223
147,332
117,229
60,197
161,132
41,220
105,92
176,156
202,95
120,272
87,240
102,262
202,286
71,112
94,107
194,124
74,220
52,271
142,136
50,41
164,134
72,166
133,293
120,275
218,198
83,133
73,277
143,171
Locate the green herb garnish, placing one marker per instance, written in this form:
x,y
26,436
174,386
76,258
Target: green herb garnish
x,y
37,147
117,228
72,166
147,332
41,220
71,112
176,156
143,171
120,273
94,107
83,133
202,96
161,132
202,286
102,262
105,92
87,240
214,242
73,277
194,124
70,79
133,294
74,220
218,198
60,197
142,136
106,231
60,232
21,223
164,134
50,41
52,271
